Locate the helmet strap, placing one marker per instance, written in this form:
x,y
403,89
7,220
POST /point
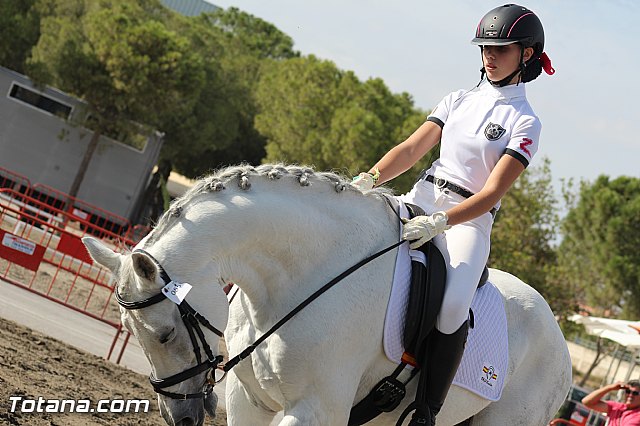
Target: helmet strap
x,y
505,81
482,72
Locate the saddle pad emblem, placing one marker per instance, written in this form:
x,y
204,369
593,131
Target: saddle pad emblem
x,y
489,374
493,132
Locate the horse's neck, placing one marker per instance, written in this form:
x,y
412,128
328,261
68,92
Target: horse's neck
x,y
277,243
298,243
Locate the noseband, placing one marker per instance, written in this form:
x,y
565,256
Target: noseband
x,y
192,321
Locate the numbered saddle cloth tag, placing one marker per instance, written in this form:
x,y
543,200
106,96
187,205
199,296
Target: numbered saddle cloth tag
x,y
176,292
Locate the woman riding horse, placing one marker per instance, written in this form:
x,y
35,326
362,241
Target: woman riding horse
x,y
488,137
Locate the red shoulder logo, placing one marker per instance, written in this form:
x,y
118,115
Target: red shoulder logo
x,y
524,144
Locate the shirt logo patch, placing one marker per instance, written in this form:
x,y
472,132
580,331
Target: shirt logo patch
x,y
493,132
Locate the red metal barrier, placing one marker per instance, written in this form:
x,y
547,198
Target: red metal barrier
x,y
41,250
558,422
137,232
13,180
73,246
20,251
39,212
96,221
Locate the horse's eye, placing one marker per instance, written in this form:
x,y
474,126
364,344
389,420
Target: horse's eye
x,y
168,336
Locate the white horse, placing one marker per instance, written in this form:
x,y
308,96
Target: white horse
x,y
279,233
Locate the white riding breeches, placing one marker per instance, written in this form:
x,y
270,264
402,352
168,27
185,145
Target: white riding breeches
x,y
465,248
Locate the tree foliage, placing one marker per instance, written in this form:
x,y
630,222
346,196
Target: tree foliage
x,y
523,235
203,80
599,252
219,131
121,60
251,35
313,113
19,32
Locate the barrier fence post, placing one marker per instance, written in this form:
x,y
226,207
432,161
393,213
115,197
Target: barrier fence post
x,y
124,345
114,341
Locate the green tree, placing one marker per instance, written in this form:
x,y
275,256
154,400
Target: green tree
x,y
523,235
219,131
19,32
296,99
120,58
313,113
371,121
599,252
251,35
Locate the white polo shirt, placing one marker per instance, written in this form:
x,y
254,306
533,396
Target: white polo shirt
x,y
479,127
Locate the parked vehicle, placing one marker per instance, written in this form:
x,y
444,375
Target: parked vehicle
x,y
44,137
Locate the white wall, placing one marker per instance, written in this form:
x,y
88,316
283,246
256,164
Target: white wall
x,y
582,357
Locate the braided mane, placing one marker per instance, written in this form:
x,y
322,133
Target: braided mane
x,y
241,176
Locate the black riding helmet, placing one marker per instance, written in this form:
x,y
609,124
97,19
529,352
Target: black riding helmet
x,y
511,24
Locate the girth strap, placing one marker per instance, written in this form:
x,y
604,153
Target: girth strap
x,y
384,398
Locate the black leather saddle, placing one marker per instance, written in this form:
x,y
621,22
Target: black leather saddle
x,y
425,298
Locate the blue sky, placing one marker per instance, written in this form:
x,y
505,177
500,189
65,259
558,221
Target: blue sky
x,y
589,108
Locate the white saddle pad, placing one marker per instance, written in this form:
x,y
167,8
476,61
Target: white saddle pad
x,y
485,360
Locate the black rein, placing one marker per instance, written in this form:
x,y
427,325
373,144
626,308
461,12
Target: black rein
x,y
192,320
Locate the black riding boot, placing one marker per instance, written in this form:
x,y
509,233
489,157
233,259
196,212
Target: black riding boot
x,y
445,353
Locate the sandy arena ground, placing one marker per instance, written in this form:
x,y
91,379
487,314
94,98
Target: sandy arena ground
x,y
33,365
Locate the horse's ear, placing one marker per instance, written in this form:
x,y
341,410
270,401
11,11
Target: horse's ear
x,y
144,267
102,254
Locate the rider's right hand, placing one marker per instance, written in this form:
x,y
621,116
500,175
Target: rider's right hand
x,y
364,181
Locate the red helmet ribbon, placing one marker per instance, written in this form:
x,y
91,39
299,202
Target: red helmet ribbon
x,y
546,64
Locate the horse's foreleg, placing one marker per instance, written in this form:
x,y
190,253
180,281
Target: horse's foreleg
x,y
305,413
313,412
240,410
325,401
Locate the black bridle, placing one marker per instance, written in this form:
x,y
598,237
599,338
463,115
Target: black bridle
x,y
192,321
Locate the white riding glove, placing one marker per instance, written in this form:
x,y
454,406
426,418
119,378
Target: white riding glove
x,y
421,229
364,181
